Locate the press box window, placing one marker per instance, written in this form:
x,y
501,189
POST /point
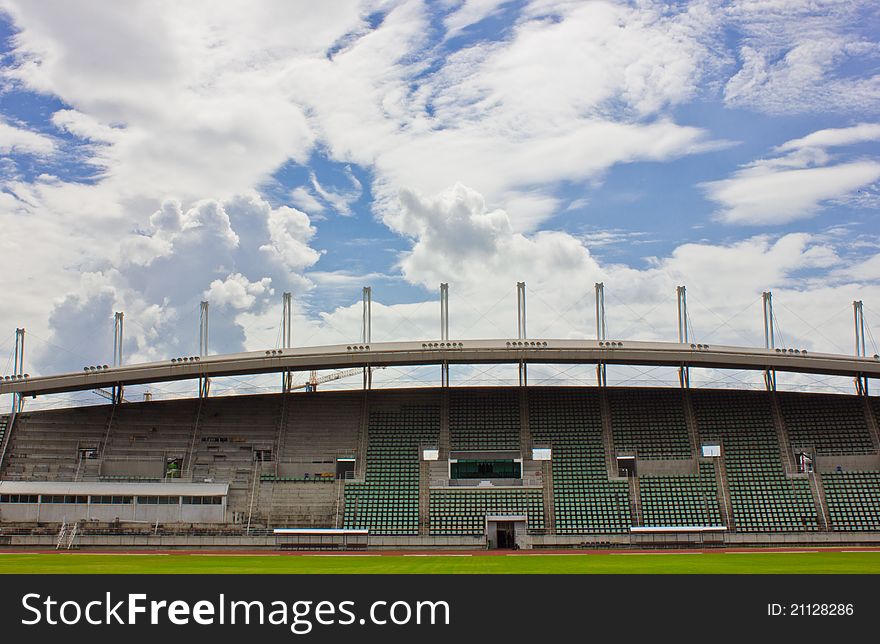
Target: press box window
x,y
486,469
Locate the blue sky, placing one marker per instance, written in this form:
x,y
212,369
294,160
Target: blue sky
x,y
162,153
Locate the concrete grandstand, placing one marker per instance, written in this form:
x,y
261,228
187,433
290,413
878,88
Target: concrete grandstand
x,y
469,467
454,467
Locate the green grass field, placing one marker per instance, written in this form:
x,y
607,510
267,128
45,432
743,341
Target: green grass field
x,y
693,563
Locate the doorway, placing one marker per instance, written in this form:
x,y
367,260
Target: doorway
x,y
506,532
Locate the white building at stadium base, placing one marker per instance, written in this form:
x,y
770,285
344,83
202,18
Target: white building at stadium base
x,y
72,501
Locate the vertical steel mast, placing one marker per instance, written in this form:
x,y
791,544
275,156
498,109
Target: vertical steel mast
x,y
118,319
444,330
769,338
18,370
601,329
367,331
859,327
204,381
684,375
286,337
521,328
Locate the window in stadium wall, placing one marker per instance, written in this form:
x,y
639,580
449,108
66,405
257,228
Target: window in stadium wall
x,y
19,498
486,469
64,498
112,500
158,500
201,500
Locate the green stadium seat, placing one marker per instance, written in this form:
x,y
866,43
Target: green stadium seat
x,y
762,497
585,500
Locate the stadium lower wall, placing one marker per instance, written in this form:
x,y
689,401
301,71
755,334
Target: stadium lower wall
x,y
696,540
267,542
548,542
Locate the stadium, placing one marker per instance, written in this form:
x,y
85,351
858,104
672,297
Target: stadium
x,y
446,468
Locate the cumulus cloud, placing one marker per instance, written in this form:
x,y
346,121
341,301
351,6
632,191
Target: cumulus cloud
x,y
237,292
188,254
725,280
290,231
809,274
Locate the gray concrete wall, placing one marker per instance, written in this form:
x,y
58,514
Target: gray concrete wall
x,y
708,539
148,468
847,462
157,542
300,469
671,467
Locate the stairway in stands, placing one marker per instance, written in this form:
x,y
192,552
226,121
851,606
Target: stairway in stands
x,y
782,435
635,501
525,432
4,425
585,499
763,498
724,501
387,500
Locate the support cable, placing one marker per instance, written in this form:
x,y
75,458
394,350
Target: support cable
x,y
559,316
726,321
639,318
814,329
483,315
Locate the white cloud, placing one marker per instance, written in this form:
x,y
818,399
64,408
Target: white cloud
x,y
19,141
799,182
84,126
469,12
457,239
237,292
794,56
193,105
761,195
834,137
305,200
290,231
234,253
339,200
483,116
181,110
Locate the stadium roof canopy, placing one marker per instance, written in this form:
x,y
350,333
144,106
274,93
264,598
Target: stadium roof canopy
x,y
392,354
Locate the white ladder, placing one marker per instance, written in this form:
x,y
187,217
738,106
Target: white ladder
x,y
61,536
66,536
71,535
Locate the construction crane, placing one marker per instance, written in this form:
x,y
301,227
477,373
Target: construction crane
x,y
315,380
103,393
